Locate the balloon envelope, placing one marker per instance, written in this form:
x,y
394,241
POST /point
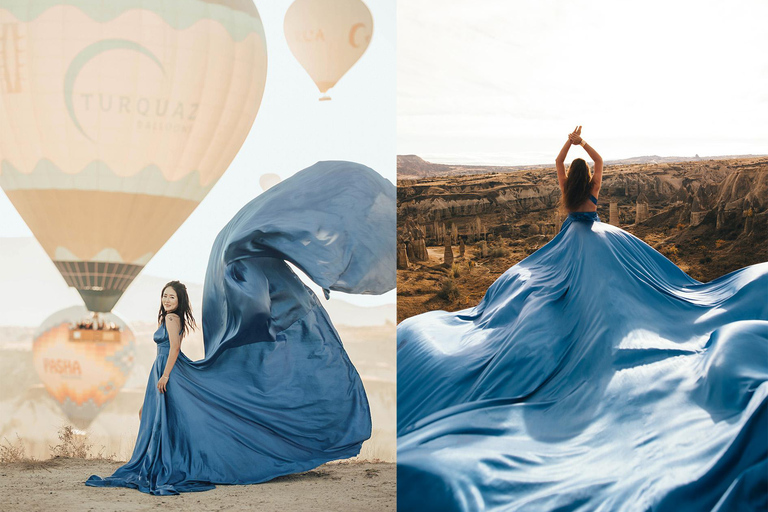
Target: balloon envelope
x,y
327,37
269,180
116,119
82,369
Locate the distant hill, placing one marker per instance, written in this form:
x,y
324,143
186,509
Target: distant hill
x,y
415,167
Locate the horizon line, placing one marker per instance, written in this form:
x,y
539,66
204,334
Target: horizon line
x,y
613,160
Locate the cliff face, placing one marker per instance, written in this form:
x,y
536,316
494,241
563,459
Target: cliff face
x,y
749,183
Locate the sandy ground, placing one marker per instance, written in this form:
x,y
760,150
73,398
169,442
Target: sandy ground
x,y
57,484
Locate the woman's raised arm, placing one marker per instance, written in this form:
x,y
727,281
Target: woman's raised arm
x,y
597,175
560,160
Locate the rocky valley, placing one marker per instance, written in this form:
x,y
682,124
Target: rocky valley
x,y
459,228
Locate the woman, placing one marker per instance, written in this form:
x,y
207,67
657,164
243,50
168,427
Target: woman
x,y
173,321
579,188
594,375
275,393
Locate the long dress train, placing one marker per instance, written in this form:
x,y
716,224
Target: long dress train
x,y
594,375
276,393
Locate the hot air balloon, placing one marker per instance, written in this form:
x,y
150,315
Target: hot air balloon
x,y
81,367
116,120
327,37
268,180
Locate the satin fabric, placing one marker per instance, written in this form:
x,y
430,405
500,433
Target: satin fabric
x,y
276,393
594,375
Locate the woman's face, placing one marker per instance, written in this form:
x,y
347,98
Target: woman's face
x,y
170,301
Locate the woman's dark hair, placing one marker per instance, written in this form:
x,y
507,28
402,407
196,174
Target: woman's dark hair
x,y
184,309
578,184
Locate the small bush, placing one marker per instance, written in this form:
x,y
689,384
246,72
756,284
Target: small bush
x,y
498,252
103,455
448,290
482,248
670,251
71,445
12,452
706,259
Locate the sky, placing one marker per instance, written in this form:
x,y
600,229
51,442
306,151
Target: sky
x,y
292,131
503,82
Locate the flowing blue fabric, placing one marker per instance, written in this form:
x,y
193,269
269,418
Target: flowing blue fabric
x,y
594,375
276,393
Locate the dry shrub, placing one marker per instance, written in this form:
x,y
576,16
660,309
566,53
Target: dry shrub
x,y
448,290
498,252
12,452
71,444
102,454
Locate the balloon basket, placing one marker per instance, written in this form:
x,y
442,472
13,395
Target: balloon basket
x,y
325,98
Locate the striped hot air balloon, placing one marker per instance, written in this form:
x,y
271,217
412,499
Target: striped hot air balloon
x,y
116,119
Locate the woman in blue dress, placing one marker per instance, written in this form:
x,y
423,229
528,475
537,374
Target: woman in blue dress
x,y
579,187
275,393
173,321
594,375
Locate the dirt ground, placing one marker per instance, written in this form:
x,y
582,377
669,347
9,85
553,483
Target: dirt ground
x,y
58,484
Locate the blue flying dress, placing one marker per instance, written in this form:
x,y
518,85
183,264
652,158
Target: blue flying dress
x,y
595,375
276,393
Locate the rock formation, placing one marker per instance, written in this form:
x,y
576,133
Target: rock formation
x,y
641,208
613,213
402,256
697,212
749,217
448,254
420,250
413,237
720,222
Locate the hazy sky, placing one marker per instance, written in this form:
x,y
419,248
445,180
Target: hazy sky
x,y
504,81
292,131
